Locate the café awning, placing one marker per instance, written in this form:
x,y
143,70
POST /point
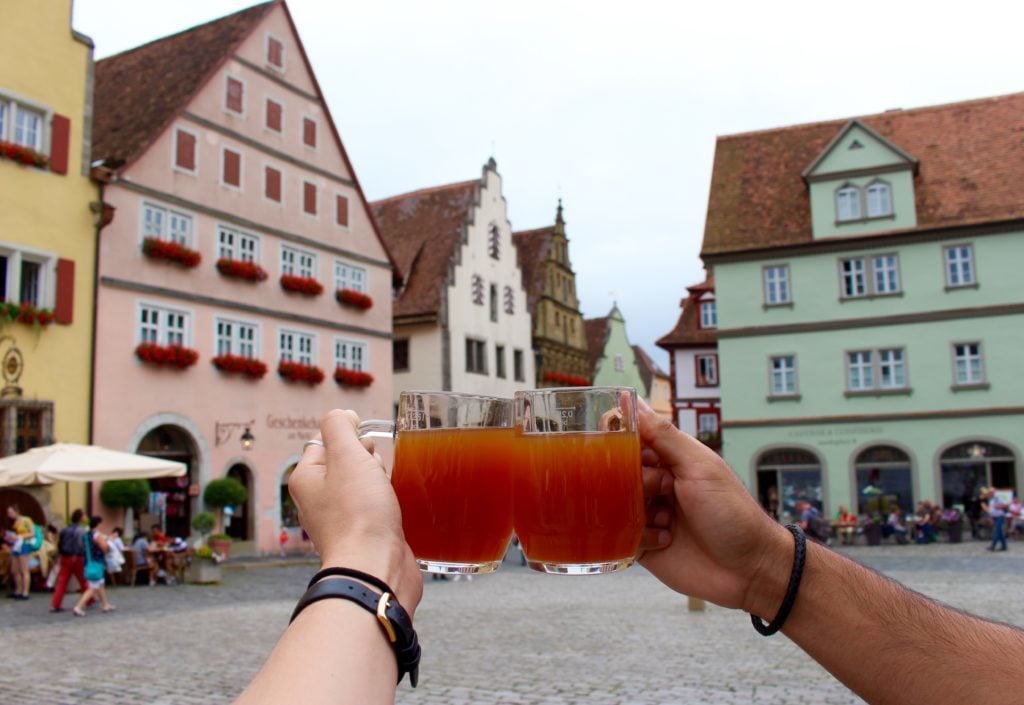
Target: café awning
x,y
71,462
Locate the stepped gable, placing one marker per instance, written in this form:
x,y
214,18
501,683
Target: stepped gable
x,y
532,249
688,332
970,161
140,91
422,230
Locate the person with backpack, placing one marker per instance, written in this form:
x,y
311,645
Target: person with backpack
x,y
96,548
811,521
26,538
71,547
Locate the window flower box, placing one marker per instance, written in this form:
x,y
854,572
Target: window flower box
x,y
238,269
566,379
22,155
166,355
298,372
170,251
307,286
346,377
353,298
236,364
25,313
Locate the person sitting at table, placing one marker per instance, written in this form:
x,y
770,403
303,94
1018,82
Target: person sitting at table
x,y
846,525
894,525
923,522
143,556
158,537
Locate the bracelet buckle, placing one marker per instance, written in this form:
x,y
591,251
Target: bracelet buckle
x,y
382,606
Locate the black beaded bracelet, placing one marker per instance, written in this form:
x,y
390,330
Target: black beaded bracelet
x,y
799,557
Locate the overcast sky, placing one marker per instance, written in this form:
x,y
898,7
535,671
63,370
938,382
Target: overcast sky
x,y
612,106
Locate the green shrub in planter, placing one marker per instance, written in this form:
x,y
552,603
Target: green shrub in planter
x,y
125,494
225,492
203,522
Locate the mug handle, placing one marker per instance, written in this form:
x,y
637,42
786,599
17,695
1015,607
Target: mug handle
x,y
377,428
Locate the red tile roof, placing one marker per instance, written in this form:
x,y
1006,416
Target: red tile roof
x,y
597,337
422,230
688,333
648,368
532,248
971,156
140,91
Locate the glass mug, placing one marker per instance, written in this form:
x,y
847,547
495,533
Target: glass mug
x,y
579,501
453,477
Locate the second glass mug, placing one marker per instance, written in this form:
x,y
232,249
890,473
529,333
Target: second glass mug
x,y
453,477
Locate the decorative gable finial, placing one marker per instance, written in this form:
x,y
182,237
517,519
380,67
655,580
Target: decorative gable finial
x,y
559,221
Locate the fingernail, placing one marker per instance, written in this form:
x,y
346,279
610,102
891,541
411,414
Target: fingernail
x,y
666,484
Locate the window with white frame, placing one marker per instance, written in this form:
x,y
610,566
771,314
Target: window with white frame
x,y
27,276
706,370
876,275
476,356
237,245
349,276
848,203
166,224
776,285
296,262
236,338
163,326
959,265
783,375
879,199
968,367
22,124
350,354
708,315
707,425
884,369
620,363
294,346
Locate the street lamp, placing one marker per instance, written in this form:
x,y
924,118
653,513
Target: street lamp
x,y
247,439
223,430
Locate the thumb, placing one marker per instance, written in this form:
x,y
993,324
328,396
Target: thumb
x,y
340,432
659,434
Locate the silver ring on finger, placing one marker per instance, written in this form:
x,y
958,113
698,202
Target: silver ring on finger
x,y
312,442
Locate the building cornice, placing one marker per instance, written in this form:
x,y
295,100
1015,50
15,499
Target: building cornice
x,y
866,242
269,151
191,297
861,418
855,173
952,314
276,79
248,224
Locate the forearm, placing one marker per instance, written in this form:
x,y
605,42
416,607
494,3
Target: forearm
x,y
891,645
334,652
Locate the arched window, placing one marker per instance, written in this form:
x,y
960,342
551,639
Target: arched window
x,y
289,512
884,479
786,476
848,203
879,199
967,467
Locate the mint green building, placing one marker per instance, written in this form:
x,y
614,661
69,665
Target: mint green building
x,y
612,358
871,305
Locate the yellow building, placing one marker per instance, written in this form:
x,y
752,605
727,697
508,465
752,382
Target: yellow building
x,y
47,239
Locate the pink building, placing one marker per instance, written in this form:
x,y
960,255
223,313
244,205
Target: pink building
x,y
239,223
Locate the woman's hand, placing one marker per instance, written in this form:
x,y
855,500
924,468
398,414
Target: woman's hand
x,y
349,509
721,541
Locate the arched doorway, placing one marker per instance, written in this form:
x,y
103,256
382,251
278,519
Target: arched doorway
x,y
884,478
967,467
171,503
26,503
240,527
787,475
289,512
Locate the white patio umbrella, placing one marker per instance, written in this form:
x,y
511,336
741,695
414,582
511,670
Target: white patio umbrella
x,y
71,462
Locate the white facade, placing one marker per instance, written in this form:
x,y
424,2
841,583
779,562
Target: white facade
x,y
470,320
693,399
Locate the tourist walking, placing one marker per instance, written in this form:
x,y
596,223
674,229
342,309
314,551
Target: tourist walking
x,y
71,547
95,552
997,513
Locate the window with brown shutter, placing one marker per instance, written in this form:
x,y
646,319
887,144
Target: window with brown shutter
x,y
233,99
272,183
275,52
309,132
341,203
309,197
60,137
273,115
232,168
63,311
185,150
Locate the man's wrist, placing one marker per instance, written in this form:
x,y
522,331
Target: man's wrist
x,y
770,579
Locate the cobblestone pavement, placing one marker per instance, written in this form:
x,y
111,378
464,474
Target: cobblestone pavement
x,y
513,637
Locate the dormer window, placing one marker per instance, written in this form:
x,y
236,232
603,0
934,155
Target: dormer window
x,y
879,198
708,315
848,203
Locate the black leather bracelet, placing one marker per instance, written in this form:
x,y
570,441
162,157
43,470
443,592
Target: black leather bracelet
x,y
799,557
394,620
350,573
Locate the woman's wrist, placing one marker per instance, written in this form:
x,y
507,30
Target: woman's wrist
x,y
384,564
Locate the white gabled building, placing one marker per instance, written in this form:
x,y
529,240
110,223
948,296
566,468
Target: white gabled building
x,y
461,320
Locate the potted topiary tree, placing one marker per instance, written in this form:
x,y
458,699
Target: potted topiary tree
x,y
203,522
129,495
225,492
